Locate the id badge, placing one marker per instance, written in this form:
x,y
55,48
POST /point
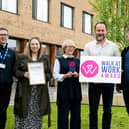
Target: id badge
x,y
2,66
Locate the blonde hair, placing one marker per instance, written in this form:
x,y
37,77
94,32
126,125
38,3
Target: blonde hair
x,y
27,50
68,42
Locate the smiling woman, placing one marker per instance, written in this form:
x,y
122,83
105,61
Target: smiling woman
x,y
66,72
31,101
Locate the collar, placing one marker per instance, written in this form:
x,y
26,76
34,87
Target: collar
x,y
65,56
105,42
1,46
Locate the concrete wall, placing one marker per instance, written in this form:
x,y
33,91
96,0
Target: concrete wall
x,y
118,98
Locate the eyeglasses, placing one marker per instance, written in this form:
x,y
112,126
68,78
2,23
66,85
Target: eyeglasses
x,y
70,46
3,34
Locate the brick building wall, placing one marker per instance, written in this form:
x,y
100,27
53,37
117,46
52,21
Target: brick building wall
x,y
23,26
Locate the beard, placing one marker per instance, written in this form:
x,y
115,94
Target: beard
x,y
100,37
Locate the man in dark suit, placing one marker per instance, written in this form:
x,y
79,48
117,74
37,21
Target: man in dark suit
x,y
125,74
7,60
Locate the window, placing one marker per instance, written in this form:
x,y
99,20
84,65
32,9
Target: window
x,y
66,16
9,5
59,51
87,23
45,49
40,10
14,44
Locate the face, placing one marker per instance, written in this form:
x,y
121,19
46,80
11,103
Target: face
x,y
3,37
100,32
127,36
34,46
69,50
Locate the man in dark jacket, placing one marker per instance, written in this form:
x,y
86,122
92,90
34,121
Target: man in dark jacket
x,y
7,60
125,74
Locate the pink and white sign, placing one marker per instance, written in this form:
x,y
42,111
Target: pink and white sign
x,y
100,69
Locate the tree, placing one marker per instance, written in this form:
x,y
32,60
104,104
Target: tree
x,y
115,13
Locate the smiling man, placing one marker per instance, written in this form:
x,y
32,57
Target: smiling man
x,y
100,47
7,60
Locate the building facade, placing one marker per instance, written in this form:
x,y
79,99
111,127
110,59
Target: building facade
x,y
52,21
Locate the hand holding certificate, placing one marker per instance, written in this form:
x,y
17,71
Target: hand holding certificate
x,y
36,73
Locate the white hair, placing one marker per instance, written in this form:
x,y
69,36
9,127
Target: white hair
x,y
68,42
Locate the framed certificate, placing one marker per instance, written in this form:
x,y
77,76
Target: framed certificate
x,y
36,73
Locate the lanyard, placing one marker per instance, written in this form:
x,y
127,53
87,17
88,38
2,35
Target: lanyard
x,y
3,57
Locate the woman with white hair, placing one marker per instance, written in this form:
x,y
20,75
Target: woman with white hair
x,y
66,72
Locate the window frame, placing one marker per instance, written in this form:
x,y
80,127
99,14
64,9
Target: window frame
x,y
83,22
8,10
18,44
62,16
34,11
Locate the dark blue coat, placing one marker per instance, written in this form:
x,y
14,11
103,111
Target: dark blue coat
x,y
7,73
123,79
69,89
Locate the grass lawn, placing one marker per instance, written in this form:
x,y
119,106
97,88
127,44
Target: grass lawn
x,y
120,119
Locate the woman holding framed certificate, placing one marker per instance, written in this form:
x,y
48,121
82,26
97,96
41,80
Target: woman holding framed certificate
x,y
32,98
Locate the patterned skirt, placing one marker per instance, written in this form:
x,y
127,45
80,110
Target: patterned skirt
x,y
33,120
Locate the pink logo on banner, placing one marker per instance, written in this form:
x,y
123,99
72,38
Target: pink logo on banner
x,y
89,68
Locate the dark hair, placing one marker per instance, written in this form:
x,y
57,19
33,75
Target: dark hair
x,y
2,28
100,23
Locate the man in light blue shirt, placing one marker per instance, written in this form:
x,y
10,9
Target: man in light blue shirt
x,y
100,47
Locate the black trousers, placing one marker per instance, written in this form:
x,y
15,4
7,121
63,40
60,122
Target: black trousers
x,y
95,91
5,92
65,109
126,96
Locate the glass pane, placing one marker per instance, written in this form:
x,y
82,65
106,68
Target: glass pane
x,y
59,51
87,23
42,10
9,5
14,44
45,49
67,17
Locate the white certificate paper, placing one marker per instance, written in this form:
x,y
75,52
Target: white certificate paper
x,y
36,73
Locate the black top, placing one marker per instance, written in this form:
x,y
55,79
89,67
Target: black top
x,y
69,89
123,55
7,73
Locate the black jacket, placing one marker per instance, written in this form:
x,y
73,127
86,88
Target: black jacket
x,y
123,80
7,73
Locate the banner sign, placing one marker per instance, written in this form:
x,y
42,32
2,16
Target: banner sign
x,y
100,69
